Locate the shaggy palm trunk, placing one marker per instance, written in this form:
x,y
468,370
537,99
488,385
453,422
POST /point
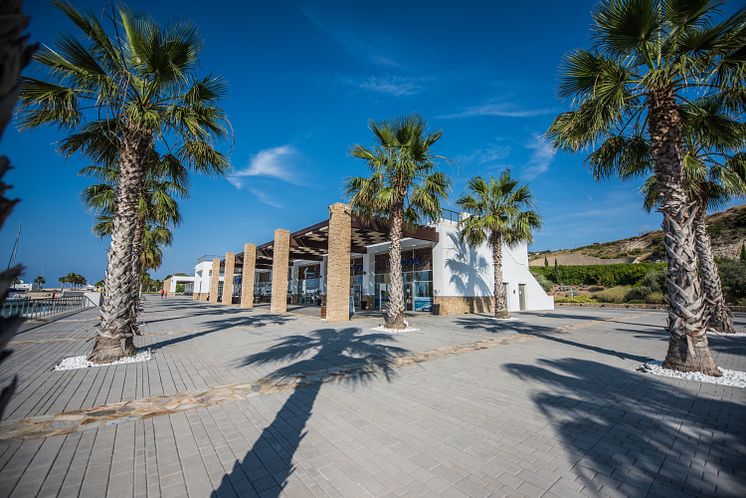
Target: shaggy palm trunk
x,y
129,341
394,314
687,347
718,315
116,311
499,303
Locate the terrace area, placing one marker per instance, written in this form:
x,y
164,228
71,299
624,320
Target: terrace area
x,y
242,402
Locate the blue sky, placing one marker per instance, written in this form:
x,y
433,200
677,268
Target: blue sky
x,y
304,80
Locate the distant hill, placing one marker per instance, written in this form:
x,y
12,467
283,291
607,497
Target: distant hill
x,y
727,229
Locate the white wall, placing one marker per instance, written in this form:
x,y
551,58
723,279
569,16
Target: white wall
x,y
179,279
202,278
461,270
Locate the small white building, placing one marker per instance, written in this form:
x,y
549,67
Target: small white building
x,y
203,276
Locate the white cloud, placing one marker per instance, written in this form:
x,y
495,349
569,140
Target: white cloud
x,y
274,162
541,158
498,109
349,40
262,197
397,86
485,155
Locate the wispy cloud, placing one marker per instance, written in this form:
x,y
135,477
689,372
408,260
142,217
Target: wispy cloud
x,y
498,109
262,197
541,158
397,86
350,40
485,155
274,162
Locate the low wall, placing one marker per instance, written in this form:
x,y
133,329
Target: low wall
x,y
200,297
735,309
459,305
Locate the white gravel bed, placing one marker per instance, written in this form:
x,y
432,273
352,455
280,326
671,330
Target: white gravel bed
x,y
733,378
381,328
75,362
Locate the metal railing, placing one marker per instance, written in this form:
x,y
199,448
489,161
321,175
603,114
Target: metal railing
x,y
41,308
450,216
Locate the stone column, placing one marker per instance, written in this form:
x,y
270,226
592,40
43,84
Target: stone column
x,y
338,263
214,280
280,264
247,276
230,266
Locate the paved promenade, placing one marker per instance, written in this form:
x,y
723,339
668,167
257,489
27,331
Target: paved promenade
x,y
248,403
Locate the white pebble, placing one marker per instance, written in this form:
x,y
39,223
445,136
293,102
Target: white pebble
x,y
733,378
75,362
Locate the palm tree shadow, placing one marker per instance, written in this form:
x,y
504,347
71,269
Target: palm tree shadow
x,y
350,355
631,431
467,269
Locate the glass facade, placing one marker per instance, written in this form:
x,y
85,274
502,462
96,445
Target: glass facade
x,y
418,279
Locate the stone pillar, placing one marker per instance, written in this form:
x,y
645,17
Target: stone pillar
x,y
230,266
247,276
280,264
338,263
214,280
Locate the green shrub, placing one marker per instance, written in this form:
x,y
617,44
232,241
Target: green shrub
x,y
655,298
606,275
545,283
638,293
733,278
654,280
616,295
581,299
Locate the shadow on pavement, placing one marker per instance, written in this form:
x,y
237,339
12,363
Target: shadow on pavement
x,y
631,432
489,324
364,356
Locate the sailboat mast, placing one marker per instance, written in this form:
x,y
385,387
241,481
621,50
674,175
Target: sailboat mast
x,y
13,253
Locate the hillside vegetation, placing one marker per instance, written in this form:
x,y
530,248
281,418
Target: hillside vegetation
x,y
727,229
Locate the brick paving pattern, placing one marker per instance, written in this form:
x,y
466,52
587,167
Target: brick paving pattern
x,y
562,414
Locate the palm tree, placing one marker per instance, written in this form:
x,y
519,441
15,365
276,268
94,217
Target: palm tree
x,y
165,178
647,57
141,80
40,281
404,188
715,173
500,213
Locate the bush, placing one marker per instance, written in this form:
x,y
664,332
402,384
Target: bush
x,y
582,299
655,298
616,295
733,278
639,293
654,280
606,275
545,283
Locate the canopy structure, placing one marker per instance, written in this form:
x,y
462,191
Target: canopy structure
x,y
312,243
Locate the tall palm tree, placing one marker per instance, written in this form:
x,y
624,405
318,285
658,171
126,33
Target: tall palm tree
x,y
165,178
140,78
647,57
715,172
708,190
500,213
404,188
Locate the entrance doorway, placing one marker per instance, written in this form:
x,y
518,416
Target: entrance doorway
x,y
522,296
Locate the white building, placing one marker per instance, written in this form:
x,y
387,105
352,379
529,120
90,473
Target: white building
x,y
202,277
441,274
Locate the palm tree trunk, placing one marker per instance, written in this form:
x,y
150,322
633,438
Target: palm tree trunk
x,y
129,341
394,315
499,304
116,313
719,316
687,347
